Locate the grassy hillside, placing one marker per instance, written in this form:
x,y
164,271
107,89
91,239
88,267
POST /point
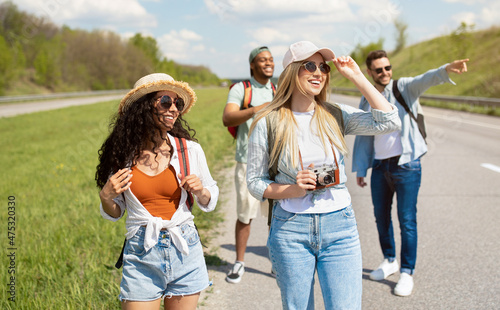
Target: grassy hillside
x,y
481,47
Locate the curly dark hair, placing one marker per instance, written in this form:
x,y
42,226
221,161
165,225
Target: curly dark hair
x,y
131,132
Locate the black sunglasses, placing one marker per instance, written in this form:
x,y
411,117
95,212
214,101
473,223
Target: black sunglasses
x,y
311,67
166,103
386,68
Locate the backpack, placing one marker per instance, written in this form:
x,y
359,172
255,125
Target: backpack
x,y
420,117
246,103
184,166
334,110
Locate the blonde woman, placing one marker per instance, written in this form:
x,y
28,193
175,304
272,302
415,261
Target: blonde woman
x,y
313,227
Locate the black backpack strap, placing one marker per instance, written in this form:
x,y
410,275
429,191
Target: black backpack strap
x,y
119,262
400,99
336,111
419,119
273,171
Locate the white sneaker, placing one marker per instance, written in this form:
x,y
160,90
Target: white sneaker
x,y
384,270
404,286
234,275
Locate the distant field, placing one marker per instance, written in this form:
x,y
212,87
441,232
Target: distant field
x,y
64,250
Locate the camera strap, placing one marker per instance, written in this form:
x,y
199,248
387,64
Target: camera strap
x,y
337,178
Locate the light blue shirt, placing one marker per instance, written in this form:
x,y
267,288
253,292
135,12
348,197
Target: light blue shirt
x,y
355,122
414,146
260,95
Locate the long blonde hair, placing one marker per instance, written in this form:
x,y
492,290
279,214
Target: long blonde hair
x,y
281,116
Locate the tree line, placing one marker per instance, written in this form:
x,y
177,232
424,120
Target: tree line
x,y
36,52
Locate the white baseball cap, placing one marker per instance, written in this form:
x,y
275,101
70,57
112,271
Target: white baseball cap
x,y
304,49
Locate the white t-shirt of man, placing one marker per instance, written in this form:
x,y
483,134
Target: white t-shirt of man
x,y
388,145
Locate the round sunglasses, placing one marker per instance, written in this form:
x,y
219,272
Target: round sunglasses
x,y
166,103
311,67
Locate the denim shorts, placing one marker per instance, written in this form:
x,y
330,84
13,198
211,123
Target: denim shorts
x,y
163,270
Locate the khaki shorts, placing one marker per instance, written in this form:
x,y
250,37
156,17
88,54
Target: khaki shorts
x,y
247,207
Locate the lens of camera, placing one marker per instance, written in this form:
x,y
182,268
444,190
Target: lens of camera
x,y
327,179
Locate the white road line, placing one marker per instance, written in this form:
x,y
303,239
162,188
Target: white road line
x,y
461,120
491,167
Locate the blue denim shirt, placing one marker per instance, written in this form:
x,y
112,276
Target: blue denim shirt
x,y
356,122
413,143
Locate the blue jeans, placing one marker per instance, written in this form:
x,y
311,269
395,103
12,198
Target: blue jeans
x,y
301,244
404,180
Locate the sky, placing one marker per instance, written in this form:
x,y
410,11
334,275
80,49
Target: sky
x,y
220,34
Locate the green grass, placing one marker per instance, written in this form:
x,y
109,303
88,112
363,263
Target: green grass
x,y
65,251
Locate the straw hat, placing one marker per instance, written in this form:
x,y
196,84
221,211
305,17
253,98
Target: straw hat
x,y
159,82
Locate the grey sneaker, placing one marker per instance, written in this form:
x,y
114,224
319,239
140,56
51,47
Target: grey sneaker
x,y
273,273
384,270
234,275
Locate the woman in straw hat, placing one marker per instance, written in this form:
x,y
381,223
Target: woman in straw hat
x,y
296,156
139,171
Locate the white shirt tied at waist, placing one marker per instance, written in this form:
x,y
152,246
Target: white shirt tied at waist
x,y
153,228
138,216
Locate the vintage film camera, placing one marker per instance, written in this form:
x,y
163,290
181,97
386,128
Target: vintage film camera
x,y
327,175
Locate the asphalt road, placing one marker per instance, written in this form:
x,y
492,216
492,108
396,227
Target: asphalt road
x,y
458,215
13,109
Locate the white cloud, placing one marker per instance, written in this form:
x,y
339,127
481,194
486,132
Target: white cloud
x,y
109,14
488,15
199,48
468,17
324,22
189,35
268,34
180,45
491,14
280,11
468,2
320,11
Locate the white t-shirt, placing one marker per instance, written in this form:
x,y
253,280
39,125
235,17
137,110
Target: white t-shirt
x,y
312,151
388,145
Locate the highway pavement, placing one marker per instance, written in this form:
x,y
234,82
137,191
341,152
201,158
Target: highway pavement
x,y
13,109
458,263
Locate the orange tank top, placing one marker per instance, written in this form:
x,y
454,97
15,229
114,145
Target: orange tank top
x,y
159,194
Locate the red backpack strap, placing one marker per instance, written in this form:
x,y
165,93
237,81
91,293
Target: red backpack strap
x,y
184,165
274,88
